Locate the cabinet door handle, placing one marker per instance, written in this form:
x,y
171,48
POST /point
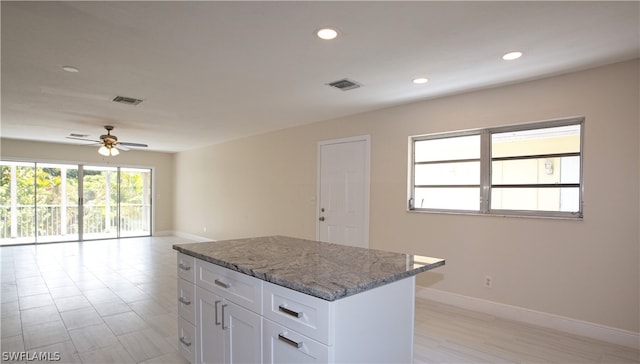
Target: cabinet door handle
x,y
216,312
221,284
290,312
224,328
183,339
293,343
184,300
183,267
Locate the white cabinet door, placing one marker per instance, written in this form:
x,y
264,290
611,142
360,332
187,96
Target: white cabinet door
x,y
242,335
227,333
209,338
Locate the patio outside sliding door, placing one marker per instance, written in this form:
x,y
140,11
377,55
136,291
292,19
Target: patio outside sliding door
x,y
56,202
40,202
135,202
17,199
100,202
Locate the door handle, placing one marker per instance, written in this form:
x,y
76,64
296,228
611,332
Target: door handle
x,y
321,218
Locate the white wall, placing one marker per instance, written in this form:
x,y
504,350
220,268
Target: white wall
x,y
162,164
587,270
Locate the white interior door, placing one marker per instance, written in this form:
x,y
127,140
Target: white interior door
x,y
343,191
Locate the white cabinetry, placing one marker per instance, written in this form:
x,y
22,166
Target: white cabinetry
x,y
186,307
375,326
241,319
228,316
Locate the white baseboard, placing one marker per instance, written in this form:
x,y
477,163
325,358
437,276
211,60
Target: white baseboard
x,y
164,233
196,238
565,324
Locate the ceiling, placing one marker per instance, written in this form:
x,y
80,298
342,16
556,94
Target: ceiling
x,y
209,72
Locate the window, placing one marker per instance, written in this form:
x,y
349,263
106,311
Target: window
x,y
527,170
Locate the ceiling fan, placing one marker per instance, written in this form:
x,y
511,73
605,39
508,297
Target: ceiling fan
x,y
110,145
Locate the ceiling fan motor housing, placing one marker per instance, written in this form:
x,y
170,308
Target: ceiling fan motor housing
x,y
108,139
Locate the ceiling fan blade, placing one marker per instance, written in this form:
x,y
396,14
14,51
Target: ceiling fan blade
x,y
121,147
140,145
83,139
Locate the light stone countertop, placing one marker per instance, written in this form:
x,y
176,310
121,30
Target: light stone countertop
x,y
324,270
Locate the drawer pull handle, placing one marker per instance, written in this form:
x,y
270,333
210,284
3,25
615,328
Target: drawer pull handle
x,y
224,328
216,312
221,284
293,343
183,339
183,267
290,312
184,300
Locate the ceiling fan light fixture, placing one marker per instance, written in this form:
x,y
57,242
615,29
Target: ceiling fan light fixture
x,y
108,151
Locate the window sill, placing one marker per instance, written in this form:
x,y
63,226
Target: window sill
x,y
496,214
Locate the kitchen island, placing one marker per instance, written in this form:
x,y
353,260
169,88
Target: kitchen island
x,y
278,299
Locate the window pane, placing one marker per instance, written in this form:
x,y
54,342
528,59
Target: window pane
x,y
135,202
100,202
57,202
448,198
534,171
563,139
536,199
465,173
17,195
465,147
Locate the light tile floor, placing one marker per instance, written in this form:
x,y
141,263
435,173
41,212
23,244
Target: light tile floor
x,y
114,301
110,301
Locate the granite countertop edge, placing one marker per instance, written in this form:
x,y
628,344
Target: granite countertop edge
x,y
306,289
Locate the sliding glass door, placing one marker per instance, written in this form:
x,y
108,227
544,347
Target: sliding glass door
x,y
56,206
100,202
135,202
18,199
40,202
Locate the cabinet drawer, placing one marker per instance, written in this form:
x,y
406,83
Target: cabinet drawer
x,y
305,314
186,300
281,345
186,267
187,340
238,288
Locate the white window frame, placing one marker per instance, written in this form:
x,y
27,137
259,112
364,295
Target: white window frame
x,y
486,159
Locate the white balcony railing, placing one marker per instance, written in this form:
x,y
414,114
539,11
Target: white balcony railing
x,y
49,221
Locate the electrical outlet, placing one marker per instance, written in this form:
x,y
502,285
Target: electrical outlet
x,y
488,281
204,229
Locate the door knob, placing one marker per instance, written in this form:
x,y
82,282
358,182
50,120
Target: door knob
x,y
321,218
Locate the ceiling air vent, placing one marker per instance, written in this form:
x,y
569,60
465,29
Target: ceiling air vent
x,y
344,84
76,135
127,100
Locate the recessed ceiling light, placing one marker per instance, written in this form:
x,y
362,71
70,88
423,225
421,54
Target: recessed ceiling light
x,y
327,33
70,69
420,80
511,56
